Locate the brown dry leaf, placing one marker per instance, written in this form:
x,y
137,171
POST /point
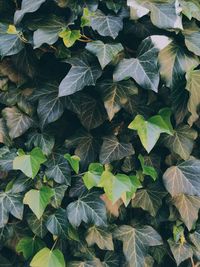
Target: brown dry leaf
x,y
112,208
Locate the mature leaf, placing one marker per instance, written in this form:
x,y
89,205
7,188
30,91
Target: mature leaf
x,y
174,63
144,68
112,209
183,178
17,122
191,34
195,238
101,237
48,258
59,193
148,169
111,260
106,25
57,223
193,80
181,142
27,6
29,246
112,150
10,203
37,226
84,72
188,207
89,208
105,52
37,200
191,8
149,130
116,94
136,241
29,164
181,252
4,137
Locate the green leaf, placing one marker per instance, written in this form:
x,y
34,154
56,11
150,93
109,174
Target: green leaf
x,y
84,72
195,238
181,252
57,223
181,142
188,207
193,79
114,185
111,260
70,36
48,258
4,137
38,226
73,161
112,150
174,62
37,200
149,199
144,68
149,130
89,208
59,193
92,177
183,178
17,122
136,241
29,164
192,35
116,94
106,25
27,6
101,237
29,246
147,170
104,52
10,203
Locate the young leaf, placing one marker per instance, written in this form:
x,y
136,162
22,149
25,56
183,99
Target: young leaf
x,y
70,36
148,170
92,177
37,200
73,161
48,258
29,164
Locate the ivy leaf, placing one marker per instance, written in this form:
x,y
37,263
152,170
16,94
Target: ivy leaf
x,y
195,238
136,10
111,260
92,177
4,137
116,94
10,203
84,72
192,35
106,25
183,178
37,200
89,208
27,6
57,223
104,52
144,68
147,170
17,122
58,169
59,193
38,226
43,140
73,161
101,237
188,207
149,199
181,142
149,130
48,258
136,241
193,79
29,246
181,252
70,36
191,9
29,164
112,150
174,62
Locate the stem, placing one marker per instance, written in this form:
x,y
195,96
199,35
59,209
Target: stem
x,y
84,41
54,244
192,261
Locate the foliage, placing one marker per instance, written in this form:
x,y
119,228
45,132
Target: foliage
x,y
99,133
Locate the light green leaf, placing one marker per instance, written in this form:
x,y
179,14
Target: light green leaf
x,y
37,200
84,72
147,170
17,122
92,177
89,208
136,241
105,52
48,258
112,150
149,130
29,246
70,36
183,178
73,161
29,164
193,81
101,237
